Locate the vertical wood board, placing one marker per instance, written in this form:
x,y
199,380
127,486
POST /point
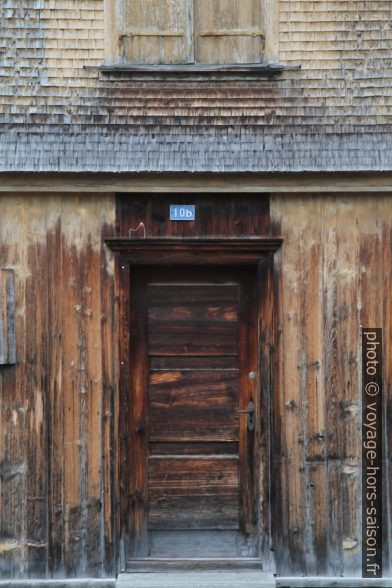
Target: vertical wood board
x,y
7,317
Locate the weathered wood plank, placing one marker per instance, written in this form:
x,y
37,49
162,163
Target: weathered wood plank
x,y
237,216
196,493
123,520
192,319
138,401
110,378
317,521
155,31
386,219
36,390
193,388
12,403
73,382
371,219
173,476
292,452
192,565
191,338
51,452
7,317
213,511
248,392
331,386
228,31
216,448
268,295
214,362
91,313
194,252
193,406
193,544
209,303
203,183
56,396
277,541
198,424
312,384
348,342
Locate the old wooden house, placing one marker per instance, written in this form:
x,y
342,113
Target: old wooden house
x,y
195,228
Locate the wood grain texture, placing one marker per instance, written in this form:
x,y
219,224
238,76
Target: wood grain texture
x,y
193,493
195,434
348,376
156,31
192,252
249,392
189,31
333,271
193,406
182,363
7,317
206,183
138,413
385,205
182,183
192,319
203,302
192,475
235,217
36,391
51,449
13,439
228,31
56,398
57,434
215,448
212,511
192,544
292,485
269,315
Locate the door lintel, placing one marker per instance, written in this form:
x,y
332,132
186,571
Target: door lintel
x,y
196,251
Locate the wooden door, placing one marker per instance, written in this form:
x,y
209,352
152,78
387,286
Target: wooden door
x,y
193,374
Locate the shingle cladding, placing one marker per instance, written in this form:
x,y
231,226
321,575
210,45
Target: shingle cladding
x,y
333,114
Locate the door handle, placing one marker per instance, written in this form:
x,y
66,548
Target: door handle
x,y
250,411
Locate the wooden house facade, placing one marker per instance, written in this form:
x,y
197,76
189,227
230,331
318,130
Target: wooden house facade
x,y
181,390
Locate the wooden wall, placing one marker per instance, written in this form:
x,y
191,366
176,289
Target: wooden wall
x,y
56,403
333,275
57,438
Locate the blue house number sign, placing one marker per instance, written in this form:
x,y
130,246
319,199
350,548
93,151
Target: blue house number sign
x,y
182,212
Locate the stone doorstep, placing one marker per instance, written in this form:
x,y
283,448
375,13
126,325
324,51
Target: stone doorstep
x,y
201,579
241,579
65,583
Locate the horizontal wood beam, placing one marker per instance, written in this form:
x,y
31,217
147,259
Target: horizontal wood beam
x,y
193,251
204,183
258,69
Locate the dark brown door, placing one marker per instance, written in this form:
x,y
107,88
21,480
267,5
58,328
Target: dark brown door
x,y
193,376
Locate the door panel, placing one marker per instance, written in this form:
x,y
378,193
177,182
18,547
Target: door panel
x,y
191,544
192,319
194,337
193,405
193,493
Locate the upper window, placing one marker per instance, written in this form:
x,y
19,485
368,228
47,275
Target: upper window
x,y
190,31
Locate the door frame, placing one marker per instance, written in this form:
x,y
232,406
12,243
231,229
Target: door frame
x,y
222,252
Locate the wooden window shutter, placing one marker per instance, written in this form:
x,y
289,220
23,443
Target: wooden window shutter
x,y
156,31
228,31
